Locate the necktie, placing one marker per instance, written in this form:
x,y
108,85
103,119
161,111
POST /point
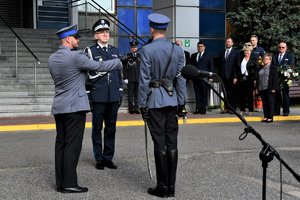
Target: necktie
x,y
226,54
280,58
104,49
199,57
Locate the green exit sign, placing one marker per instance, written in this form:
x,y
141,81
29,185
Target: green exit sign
x,y
187,43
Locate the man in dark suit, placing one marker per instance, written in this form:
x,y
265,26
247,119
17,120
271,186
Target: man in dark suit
x,y
203,61
68,68
281,58
106,97
230,60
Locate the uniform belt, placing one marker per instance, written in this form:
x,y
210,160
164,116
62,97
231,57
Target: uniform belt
x,y
155,84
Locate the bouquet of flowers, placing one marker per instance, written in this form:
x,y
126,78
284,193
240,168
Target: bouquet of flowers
x,y
287,75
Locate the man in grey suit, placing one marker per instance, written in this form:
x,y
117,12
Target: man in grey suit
x,y
161,96
68,67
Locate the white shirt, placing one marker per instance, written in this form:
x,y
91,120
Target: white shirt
x,y
244,67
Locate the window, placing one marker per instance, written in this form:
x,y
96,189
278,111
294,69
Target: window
x,y
108,5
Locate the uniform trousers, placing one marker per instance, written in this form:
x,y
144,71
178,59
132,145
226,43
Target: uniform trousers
x,y
70,129
107,113
163,126
133,95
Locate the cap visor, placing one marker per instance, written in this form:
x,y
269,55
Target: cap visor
x,y
76,36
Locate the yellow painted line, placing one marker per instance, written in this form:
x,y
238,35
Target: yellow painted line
x,y
35,127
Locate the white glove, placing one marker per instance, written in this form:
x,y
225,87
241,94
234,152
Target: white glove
x,y
126,81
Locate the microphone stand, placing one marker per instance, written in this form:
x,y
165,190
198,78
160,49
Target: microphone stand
x,y
267,153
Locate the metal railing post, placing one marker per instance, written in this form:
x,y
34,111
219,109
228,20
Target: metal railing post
x,y
16,75
86,4
35,80
0,44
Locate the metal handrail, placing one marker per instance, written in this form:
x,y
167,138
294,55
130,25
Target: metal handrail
x,y
28,49
12,30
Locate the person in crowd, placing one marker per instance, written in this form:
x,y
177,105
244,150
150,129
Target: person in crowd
x,y
230,62
257,51
68,68
186,53
162,97
106,97
282,58
267,83
203,61
131,72
247,75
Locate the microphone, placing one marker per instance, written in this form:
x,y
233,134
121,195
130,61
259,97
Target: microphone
x,y
190,72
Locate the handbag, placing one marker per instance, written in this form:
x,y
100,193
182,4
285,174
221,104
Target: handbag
x,y
243,78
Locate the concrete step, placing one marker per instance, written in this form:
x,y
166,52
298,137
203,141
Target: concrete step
x,y
25,107
28,76
25,87
29,69
28,100
25,114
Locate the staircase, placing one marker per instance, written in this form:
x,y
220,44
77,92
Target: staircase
x,y
17,96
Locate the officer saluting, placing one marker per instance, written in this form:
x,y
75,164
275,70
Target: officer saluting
x,y
131,72
106,97
161,97
68,68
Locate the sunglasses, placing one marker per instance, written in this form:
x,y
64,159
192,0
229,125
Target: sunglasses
x,y
281,47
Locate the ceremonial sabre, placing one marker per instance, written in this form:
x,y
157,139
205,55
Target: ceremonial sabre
x,y
146,148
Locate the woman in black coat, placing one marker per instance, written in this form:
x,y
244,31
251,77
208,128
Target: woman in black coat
x,y
267,83
247,75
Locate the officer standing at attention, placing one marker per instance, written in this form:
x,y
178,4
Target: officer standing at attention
x,y
68,68
131,72
161,97
106,97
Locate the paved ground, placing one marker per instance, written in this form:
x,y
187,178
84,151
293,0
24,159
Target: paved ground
x,y
213,162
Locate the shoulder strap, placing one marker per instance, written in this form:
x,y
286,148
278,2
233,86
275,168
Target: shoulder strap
x,y
169,61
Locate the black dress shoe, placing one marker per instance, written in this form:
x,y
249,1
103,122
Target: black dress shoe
x,y
109,164
264,120
269,121
285,114
196,112
76,189
99,165
159,191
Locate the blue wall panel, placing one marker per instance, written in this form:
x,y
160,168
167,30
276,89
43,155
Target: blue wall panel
x,y
125,2
212,4
126,16
214,46
124,45
212,24
144,3
143,22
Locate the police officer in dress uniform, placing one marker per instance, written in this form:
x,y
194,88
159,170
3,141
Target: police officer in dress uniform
x,y
131,72
162,96
106,97
68,68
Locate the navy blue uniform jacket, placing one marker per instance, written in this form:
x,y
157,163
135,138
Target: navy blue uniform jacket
x,y
108,87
